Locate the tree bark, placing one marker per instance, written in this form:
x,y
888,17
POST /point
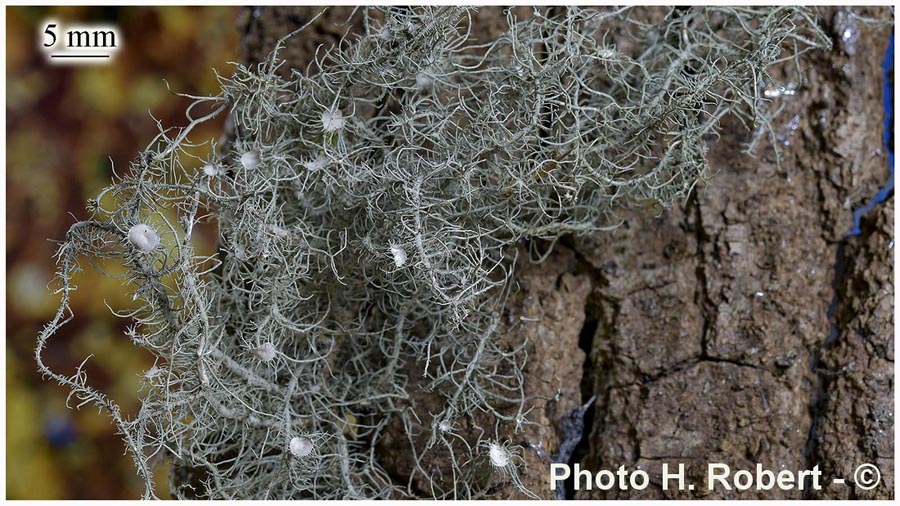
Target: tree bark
x,y
714,317
707,327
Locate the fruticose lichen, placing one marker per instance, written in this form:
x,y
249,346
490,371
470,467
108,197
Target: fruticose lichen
x,y
371,213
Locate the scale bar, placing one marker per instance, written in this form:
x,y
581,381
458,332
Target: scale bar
x,y
79,56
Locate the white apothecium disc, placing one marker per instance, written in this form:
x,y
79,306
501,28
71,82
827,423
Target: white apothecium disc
x,y
211,170
250,160
266,352
424,81
332,120
301,447
399,255
318,164
499,455
143,237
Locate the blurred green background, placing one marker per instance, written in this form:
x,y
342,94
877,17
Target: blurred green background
x,y
66,126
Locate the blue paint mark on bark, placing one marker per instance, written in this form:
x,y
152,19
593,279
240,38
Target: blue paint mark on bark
x,y
888,189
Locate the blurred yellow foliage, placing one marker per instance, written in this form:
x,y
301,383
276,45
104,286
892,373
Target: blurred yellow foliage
x,y
66,127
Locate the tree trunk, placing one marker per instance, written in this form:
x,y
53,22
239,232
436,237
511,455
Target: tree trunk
x,y
742,327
